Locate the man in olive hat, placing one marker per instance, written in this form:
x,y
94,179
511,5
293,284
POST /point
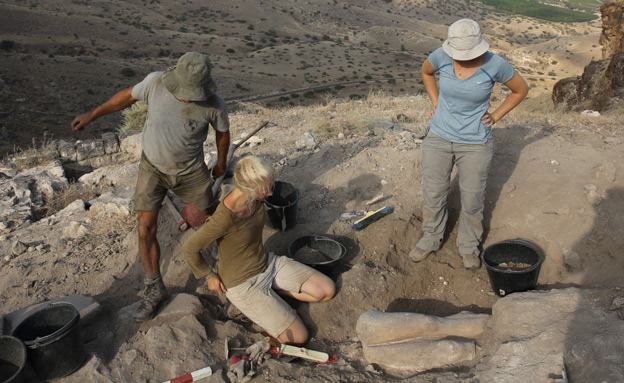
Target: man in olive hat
x,y
182,104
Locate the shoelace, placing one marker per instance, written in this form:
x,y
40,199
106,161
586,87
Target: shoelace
x,y
151,292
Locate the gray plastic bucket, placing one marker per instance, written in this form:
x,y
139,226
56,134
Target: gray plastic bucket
x,y
12,359
53,340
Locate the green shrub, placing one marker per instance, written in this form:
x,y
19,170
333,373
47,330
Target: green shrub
x,y
7,45
128,72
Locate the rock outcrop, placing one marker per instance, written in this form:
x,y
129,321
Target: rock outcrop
x,y
612,36
601,87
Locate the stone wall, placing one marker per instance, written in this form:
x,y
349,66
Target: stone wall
x,y
109,150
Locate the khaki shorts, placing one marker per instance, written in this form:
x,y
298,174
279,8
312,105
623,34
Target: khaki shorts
x,y
194,188
257,299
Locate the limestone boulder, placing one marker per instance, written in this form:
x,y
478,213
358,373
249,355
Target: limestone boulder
x,y
118,201
535,334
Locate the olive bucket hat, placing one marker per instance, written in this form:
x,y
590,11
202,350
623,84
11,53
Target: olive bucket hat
x,y
190,79
464,41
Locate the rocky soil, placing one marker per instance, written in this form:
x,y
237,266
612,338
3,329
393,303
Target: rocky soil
x,y
556,180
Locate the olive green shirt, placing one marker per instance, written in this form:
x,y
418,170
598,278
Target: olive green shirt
x,y
241,253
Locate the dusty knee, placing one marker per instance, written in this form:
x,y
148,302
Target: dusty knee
x,y
148,226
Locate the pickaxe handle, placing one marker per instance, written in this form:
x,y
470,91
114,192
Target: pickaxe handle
x,y
217,183
182,225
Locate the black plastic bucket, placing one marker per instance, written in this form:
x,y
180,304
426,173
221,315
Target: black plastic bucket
x,y
316,250
282,206
506,280
12,359
52,337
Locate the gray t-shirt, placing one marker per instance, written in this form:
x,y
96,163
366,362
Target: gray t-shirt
x,y
174,131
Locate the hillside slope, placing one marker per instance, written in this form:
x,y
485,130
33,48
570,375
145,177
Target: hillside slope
x,y
63,58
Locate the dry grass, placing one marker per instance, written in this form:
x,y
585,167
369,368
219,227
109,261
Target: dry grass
x,y
35,155
357,117
133,118
69,194
540,110
327,119
115,227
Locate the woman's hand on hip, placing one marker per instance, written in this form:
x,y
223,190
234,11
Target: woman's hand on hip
x,y
216,284
488,119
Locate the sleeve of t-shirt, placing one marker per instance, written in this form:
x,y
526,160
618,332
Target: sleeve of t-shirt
x,y
221,122
435,58
212,230
505,71
141,90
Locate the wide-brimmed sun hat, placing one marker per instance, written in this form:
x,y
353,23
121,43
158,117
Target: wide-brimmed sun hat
x,y
464,41
190,79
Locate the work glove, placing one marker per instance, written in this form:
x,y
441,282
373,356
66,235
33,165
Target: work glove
x,y
259,351
238,370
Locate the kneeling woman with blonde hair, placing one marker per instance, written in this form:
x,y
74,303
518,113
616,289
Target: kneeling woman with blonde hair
x,y
251,277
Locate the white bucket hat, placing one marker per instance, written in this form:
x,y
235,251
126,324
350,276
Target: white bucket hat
x,y
464,41
190,80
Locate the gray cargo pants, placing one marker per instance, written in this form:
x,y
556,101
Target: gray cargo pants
x,y
473,164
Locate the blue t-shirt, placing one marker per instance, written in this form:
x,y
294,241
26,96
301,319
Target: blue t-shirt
x,y
462,103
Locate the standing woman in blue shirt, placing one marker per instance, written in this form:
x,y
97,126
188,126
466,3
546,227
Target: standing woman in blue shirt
x,y
460,135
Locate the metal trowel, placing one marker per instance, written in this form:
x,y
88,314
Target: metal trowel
x,y
300,352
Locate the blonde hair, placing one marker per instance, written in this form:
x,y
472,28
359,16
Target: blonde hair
x,y
253,176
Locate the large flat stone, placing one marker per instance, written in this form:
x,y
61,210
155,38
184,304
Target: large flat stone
x,y
410,357
377,327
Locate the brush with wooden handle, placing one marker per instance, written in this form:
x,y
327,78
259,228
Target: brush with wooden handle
x,y
372,217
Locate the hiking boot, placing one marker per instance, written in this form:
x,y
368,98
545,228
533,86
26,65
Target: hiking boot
x,y
417,254
155,296
471,261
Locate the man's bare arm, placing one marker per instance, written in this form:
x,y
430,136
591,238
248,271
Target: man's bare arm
x,y
223,145
119,101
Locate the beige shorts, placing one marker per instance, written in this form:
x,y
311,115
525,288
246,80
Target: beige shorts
x,y
257,299
152,184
